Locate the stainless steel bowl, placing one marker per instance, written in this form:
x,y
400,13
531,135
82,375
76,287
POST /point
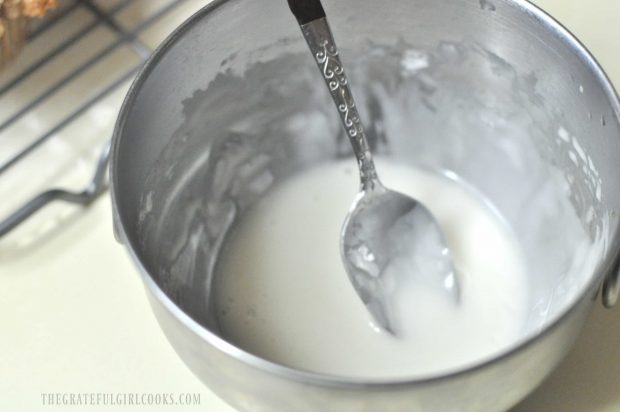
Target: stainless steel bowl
x,y
188,131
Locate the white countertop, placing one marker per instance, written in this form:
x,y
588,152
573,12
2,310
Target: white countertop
x,y
73,311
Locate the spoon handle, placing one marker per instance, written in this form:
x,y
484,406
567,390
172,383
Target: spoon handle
x,y
318,35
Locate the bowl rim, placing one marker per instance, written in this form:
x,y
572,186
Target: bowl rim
x,y
321,379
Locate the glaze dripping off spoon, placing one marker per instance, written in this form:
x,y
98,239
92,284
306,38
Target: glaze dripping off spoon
x,y
384,229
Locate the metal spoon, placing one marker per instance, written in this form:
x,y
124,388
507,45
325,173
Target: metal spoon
x,y
382,225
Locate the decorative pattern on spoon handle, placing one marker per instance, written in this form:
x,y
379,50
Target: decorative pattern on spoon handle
x,y
321,42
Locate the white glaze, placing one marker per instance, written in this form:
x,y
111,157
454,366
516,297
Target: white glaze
x,y
283,294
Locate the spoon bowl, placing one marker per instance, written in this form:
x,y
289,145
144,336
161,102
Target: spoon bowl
x,y
384,228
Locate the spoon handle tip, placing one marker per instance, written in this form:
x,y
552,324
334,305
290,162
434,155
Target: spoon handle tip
x,y
306,11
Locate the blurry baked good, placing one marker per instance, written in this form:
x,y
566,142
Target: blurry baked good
x,y
14,18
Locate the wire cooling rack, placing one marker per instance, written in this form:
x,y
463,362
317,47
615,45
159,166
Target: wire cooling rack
x,y
75,58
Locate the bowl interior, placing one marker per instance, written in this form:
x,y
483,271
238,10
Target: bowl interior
x,y
495,95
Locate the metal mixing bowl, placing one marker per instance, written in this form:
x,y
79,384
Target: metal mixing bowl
x,y
505,98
